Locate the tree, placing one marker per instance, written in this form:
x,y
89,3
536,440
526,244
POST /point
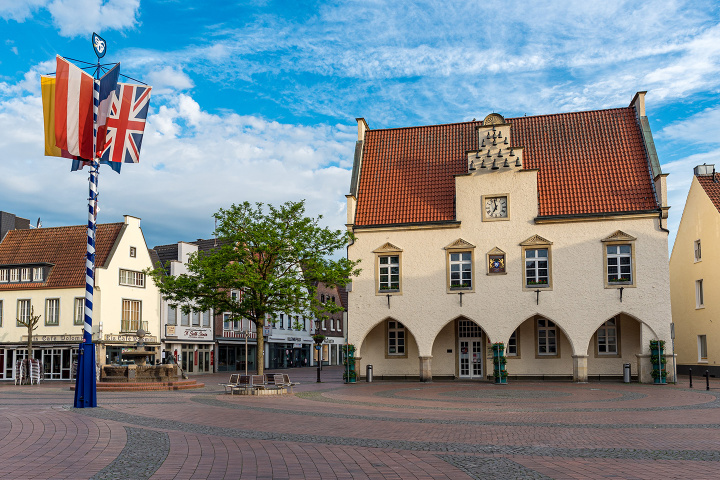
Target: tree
x,y
31,322
272,256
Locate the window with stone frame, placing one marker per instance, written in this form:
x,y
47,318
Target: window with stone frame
x,y
206,318
702,349
699,294
460,270
79,311
389,272
607,338
52,311
395,338
537,267
619,264
547,337
23,311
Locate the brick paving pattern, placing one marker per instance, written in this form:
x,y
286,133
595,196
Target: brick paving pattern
x,y
396,430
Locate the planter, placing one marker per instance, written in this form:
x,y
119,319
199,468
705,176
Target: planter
x,y
499,364
349,373
658,362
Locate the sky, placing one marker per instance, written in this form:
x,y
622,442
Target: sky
x,y
256,101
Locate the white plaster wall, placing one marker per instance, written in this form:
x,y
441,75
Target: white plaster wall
x,y
9,332
578,302
107,283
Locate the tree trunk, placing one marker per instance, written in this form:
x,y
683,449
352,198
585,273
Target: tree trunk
x,y
260,352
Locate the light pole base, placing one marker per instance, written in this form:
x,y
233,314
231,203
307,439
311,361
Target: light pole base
x,y
85,382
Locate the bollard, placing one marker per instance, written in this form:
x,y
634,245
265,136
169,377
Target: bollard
x,y
690,375
707,380
369,373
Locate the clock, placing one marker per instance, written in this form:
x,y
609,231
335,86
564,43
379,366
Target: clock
x,y
496,207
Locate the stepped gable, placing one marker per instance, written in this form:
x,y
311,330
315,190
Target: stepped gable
x,y
588,163
63,247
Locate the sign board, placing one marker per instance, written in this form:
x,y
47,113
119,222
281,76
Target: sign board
x,y
297,345
672,330
129,338
54,338
170,330
267,330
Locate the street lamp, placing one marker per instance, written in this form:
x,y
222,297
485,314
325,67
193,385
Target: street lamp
x,y
318,338
246,334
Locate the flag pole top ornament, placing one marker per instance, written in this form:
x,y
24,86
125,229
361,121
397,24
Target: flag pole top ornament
x,y
99,45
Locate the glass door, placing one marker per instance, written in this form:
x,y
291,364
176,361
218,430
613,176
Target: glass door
x,y
470,349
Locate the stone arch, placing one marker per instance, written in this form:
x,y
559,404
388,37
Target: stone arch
x,y
445,350
361,343
547,317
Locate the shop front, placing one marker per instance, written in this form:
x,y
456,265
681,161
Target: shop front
x,y
55,352
288,352
192,348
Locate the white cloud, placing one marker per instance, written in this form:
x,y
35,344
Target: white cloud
x,y
192,164
78,17
168,80
702,127
19,10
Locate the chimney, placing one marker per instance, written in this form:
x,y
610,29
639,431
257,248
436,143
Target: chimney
x,y
704,169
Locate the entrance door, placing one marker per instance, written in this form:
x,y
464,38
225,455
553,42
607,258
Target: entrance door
x,y
470,343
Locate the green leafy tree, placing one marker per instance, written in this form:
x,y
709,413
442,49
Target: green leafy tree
x,y
273,256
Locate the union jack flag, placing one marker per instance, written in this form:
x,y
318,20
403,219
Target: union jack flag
x,y
126,123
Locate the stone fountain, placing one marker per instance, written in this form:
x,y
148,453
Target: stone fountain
x,y
140,371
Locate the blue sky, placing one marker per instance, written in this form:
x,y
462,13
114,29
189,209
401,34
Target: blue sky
x,y
257,100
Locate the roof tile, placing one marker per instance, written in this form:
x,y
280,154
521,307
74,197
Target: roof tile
x,y
588,162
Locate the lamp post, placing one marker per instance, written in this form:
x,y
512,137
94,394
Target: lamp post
x,y
246,334
318,338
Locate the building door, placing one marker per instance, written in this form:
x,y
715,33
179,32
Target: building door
x,y
470,349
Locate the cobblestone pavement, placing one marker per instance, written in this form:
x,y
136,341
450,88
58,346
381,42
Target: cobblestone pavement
x,y
396,430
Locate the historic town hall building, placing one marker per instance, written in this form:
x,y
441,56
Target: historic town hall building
x,y
546,233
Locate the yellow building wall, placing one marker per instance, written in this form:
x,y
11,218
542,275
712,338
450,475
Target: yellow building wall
x,y
700,221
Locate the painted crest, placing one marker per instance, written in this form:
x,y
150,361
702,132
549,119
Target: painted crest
x,y
99,45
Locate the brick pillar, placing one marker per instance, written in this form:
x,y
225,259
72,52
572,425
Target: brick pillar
x,y
426,369
580,369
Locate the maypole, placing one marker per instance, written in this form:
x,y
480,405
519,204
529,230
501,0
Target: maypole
x,y
118,117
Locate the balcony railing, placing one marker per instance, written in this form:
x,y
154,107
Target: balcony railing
x,y
131,326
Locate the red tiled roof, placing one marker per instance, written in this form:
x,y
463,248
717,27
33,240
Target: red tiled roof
x,y
712,189
589,162
65,247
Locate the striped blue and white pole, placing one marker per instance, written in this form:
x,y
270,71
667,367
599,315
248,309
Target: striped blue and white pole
x,y
85,382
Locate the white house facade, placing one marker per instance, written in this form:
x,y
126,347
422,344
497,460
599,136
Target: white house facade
x,y
43,271
544,233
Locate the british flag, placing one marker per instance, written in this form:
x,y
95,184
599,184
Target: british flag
x,y
126,123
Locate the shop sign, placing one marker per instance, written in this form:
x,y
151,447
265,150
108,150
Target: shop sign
x,y
129,338
193,333
170,330
54,338
294,339
297,345
267,330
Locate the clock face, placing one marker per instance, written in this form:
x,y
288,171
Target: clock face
x,y
496,207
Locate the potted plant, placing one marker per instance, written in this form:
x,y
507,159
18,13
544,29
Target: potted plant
x,y
499,364
318,338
